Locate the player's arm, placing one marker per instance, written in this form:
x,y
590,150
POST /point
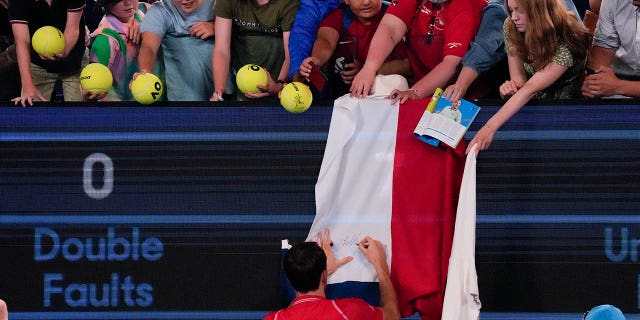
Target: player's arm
x,y
374,252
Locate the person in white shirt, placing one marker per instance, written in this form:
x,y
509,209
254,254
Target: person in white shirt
x,y
614,61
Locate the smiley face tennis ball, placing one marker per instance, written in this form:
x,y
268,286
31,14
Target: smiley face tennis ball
x,y
47,41
96,78
146,88
250,76
296,97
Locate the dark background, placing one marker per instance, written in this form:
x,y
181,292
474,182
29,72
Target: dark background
x,y
221,186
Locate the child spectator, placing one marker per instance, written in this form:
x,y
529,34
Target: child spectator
x,y
351,27
484,60
115,44
185,32
546,47
253,32
38,74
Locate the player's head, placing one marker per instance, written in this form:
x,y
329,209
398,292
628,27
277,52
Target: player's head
x,y
304,265
455,105
365,10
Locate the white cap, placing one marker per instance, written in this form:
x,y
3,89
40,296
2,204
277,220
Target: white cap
x,y
383,85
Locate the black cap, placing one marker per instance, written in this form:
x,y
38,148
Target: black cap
x,y
101,3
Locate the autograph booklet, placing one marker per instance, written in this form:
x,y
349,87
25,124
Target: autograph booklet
x,y
447,122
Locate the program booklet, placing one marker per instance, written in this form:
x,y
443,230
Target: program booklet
x,y
448,122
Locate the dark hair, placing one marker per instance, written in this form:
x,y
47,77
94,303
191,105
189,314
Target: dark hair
x,y
304,264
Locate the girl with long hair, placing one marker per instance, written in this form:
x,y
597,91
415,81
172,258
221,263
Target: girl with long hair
x,y
546,47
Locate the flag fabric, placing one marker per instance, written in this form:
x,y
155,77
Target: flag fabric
x,y
462,297
377,179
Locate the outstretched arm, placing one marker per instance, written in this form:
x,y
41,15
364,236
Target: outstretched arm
x,y
387,36
148,51
221,57
538,82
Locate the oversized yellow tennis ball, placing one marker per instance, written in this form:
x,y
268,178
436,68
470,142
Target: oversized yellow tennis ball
x,y
48,41
296,97
147,88
250,76
96,78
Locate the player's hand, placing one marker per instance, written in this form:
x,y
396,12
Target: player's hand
x,y
324,241
374,252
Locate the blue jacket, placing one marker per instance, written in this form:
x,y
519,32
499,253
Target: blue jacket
x,y
305,28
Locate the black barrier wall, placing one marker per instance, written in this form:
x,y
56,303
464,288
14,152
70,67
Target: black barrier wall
x,y
178,210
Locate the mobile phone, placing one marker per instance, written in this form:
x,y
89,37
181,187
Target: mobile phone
x,y
590,70
317,77
347,60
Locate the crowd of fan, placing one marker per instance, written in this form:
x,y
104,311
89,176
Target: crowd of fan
x,y
515,49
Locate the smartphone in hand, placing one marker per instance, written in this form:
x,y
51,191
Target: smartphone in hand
x,y
317,77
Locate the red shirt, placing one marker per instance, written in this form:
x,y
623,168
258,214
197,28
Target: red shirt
x,y
310,307
362,33
437,30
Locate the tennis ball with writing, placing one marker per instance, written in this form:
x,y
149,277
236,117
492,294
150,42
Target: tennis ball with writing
x,y
250,76
146,88
296,97
47,41
96,78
